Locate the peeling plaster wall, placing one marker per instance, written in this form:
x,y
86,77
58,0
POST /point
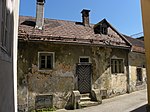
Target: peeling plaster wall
x,y
115,84
62,80
137,60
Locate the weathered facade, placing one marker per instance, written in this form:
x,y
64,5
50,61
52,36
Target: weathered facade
x,y
137,65
62,80
65,59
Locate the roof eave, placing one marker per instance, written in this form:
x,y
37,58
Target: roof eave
x,y
88,42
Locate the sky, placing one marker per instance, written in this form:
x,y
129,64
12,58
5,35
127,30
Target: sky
x,y
124,15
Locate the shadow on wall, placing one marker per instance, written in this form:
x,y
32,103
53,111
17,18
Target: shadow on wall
x,y
140,109
6,69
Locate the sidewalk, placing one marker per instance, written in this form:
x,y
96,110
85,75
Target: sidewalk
x,y
133,102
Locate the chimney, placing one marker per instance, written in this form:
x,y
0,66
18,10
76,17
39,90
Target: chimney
x,y
40,14
85,17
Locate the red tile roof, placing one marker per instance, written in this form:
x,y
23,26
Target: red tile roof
x,y
66,32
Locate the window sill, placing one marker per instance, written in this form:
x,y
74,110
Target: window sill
x,y
45,70
118,73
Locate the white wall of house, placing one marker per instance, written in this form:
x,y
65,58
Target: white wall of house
x,y
8,54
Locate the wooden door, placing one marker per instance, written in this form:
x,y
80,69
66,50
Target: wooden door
x,y
84,72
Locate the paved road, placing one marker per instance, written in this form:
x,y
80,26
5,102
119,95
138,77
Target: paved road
x,y
133,102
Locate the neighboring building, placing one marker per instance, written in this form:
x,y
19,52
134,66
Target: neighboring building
x,y
137,64
8,55
64,58
141,38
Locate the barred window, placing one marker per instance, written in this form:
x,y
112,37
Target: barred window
x,y
117,66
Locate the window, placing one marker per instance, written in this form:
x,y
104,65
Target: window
x,y
139,74
117,66
46,60
139,79
84,59
5,26
103,30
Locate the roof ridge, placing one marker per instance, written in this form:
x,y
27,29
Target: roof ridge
x,y
55,19
134,38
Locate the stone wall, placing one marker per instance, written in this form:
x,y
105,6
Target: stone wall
x,y
62,80
137,60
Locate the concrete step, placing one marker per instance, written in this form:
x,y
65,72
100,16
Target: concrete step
x,y
87,104
82,99
85,95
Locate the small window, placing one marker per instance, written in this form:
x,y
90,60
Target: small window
x,y
139,79
84,59
139,74
103,30
117,66
46,61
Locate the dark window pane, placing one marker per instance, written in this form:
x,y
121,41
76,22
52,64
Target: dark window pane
x,y
49,62
112,71
42,62
43,57
84,60
139,74
120,67
115,66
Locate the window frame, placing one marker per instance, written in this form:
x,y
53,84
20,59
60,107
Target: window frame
x,y
52,60
117,68
84,57
139,78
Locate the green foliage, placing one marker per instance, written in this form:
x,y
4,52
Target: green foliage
x,y
45,110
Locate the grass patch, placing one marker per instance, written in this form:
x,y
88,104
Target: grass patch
x,y
45,110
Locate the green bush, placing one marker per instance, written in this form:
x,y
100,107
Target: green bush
x,y
44,110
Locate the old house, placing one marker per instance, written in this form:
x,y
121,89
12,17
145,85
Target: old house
x,y
66,59
137,64
8,54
